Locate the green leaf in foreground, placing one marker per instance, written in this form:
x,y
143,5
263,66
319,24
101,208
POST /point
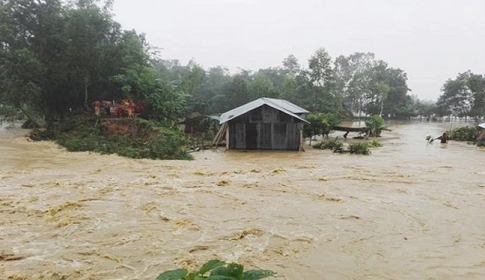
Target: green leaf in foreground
x,y
173,274
219,270
257,274
210,265
221,277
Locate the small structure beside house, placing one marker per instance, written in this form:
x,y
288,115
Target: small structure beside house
x,y
196,124
263,124
481,135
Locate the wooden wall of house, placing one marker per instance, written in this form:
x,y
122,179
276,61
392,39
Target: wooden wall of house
x,y
265,128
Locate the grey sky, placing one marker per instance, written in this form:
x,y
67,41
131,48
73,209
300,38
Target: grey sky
x,y
429,39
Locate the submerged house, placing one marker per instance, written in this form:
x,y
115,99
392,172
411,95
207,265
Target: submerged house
x,y
264,124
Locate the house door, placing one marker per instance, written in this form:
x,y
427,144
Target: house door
x,y
251,136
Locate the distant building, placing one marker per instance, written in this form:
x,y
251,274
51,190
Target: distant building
x,y
264,124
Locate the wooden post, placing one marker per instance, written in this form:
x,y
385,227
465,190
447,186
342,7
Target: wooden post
x,y
227,136
301,141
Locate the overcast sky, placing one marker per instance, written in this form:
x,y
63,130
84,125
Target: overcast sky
x,y
431,40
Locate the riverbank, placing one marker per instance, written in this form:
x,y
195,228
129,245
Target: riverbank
x,y
128,137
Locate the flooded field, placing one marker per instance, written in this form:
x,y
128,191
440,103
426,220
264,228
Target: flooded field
x,y
409,211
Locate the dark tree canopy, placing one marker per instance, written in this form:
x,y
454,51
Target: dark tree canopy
x,y
55,56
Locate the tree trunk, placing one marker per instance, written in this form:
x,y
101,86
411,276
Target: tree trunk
x,y
28,116
382,108
360,109
86,79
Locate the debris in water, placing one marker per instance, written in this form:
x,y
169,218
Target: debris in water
x,y
278,170
246,232
223,183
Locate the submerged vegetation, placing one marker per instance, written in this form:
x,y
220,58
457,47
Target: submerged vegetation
x,y
329,144
136,138
216,270
375,126
360,148
463,134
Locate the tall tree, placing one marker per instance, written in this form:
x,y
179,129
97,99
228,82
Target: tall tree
x,y
291,65
320,68
350,75
55,55
261,86
33,54
463,96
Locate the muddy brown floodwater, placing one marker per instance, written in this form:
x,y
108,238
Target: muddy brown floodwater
x,y
411,210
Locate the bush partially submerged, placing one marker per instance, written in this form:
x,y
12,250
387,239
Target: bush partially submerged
x,y
374,144
329,144
128,138
375,125
361,148
463,134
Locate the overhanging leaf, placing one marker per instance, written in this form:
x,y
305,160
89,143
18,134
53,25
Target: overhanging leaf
x,y
257,274
210,265
176,274
221,277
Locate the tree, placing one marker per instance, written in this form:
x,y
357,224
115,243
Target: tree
x,y
261,86
57,56
476,83
457,96
215,87
397,97
238,91
291,65
320,65
88,31
351,80
33,68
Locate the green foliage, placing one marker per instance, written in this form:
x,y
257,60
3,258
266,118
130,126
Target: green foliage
x,y
375,125
359,148
165,103
362,148
463,134
463,96
374,144
57,55
330,144
320,124
9,113
150,141
219,270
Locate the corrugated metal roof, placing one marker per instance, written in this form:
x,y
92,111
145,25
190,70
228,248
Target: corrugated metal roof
x,y
279,104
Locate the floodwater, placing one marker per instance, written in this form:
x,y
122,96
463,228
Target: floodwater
x,y
411,210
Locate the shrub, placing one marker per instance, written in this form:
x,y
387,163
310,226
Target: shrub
x,y
218,270
149,141
329,144
374,125
359,148
463,134
374,144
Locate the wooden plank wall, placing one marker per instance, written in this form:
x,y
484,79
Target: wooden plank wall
x,y
273,129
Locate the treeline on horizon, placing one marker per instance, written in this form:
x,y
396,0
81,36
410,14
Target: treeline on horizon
x,y
57,56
